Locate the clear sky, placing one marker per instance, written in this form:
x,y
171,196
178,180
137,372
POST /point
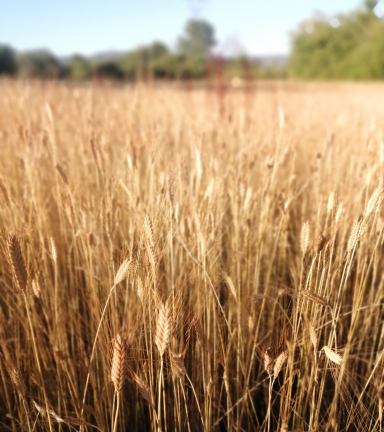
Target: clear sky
x,y
256,27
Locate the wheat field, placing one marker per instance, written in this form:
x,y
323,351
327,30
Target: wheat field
x,y
191,259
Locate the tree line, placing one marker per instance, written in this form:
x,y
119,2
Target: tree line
x,y
192,59
348,46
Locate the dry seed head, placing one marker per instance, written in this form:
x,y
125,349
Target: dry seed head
x,y
140,289
226,382
148,231
178,366
339,212
54,250
152,259
75,421
331,202
326,254
313,335
18,381
381,393
163,327
279,363
119,363
268,363
250,323
36,288
354,237
315,297
322,240
68,206
4,191
381,403
304,238
123,271
143,387
198,330
373,202
332,356
43,413
171,194
210,387
91,239
62,174
17,262
231,286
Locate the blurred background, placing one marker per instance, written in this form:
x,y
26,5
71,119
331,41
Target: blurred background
x,y
238,40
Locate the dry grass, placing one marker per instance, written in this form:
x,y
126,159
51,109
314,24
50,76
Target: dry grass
x,y
160,214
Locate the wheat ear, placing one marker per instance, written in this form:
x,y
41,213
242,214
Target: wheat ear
x,y
119,363
119,370
332,356
304,238
94,342
18,381
17,262
162,338
315,297
20,272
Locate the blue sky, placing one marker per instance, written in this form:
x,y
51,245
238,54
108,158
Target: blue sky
x,y
256,27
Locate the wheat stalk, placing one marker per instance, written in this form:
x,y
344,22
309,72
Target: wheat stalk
x,y
94,346
17,262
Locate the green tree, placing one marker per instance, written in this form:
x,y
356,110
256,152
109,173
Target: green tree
x,y
198,39
7,60
157,50
77,68
38,64
370,4
349,46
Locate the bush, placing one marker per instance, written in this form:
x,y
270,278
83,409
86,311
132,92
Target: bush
x,y
7,60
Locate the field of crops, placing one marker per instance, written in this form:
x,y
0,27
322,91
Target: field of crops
x,y
191,259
